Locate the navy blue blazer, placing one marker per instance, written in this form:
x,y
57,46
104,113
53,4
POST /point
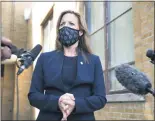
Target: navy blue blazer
x,y
47,86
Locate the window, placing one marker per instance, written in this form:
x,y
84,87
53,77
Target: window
x,y
95,18
111,30
120,39
95,23
47,29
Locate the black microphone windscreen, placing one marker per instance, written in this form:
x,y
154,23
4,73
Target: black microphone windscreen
x,y
134,80
35,51
150,53
14,49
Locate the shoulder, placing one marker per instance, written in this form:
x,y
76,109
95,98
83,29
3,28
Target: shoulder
x,y
93,58
49,54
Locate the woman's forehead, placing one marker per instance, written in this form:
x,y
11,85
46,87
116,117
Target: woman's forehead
x,y
69,17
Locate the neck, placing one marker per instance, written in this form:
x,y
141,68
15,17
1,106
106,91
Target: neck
x,y
71,51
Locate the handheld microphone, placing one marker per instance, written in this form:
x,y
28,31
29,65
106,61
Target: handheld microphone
x,y
28,57
134,80
151,54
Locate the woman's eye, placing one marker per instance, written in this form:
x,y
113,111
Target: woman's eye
x,y
61,24
72,23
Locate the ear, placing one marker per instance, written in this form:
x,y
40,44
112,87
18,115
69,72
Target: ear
x,y
81,33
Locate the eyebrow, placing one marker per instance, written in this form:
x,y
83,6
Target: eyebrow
x,y
68,21
71,21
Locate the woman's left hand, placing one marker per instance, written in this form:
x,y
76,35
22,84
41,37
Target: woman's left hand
x,y
69,102
70,105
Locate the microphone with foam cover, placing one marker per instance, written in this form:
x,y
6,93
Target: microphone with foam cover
x,y
28,57
134,80
151,54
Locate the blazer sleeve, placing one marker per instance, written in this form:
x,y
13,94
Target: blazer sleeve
x,y
36,95
98,99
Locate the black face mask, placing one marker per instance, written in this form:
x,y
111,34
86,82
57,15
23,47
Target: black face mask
x,y
68,36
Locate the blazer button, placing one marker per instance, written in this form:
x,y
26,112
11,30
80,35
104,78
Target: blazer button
x,y
81,63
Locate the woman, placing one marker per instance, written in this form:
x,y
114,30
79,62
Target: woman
x,y
68,83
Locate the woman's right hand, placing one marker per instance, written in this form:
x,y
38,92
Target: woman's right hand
x,y
64,107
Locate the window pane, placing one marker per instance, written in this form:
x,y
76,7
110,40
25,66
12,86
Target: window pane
x,y
97,45
121,41
87,15
46,37
52,36
117,8
94,15
115,85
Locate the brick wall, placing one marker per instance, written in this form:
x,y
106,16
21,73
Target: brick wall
x,y
143,22
16,28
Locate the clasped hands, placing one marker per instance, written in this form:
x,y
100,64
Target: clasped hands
x,y
66,105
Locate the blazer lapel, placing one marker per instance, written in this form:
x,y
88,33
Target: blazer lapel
x,y
83,71
57,64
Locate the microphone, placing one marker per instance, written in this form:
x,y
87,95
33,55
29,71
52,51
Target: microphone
x,y
151,54
134,80
28,57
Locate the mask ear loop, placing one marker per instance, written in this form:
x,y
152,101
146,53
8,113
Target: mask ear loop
x,y
60,41
81,38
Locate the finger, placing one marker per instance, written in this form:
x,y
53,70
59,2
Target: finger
x,y
62,105
65,97
6,53
64,115
68,112
63,119
66,107
68,102
60,99
71,96
68,96
6,41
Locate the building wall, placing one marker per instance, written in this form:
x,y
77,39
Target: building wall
x,y
15,28
143,22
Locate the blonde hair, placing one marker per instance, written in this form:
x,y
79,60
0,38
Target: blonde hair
x,y
83,42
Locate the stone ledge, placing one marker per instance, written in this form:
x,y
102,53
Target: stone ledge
x,y
127,97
